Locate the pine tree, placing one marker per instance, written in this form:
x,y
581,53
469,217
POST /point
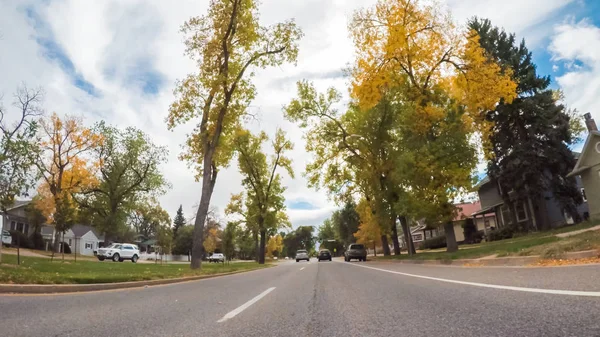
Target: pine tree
x,y
531,135
179,221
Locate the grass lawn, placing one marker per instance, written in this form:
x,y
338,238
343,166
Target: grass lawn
x,y
41,271
542,243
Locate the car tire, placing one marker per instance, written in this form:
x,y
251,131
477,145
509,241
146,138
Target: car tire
x,y
297,260
134,259
116,257
329,259
101,258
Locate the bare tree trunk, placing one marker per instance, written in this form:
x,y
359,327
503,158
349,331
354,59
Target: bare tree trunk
x,y
261,251
395,234
410,246
256,246
209,177
386,246
56,241
451,245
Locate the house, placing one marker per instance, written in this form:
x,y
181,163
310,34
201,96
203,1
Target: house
x,y
483,221
587,168
548,211
82,239
16,218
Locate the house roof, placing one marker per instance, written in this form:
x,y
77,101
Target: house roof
x,y
81,230
18,203
487,210
466,210
588,143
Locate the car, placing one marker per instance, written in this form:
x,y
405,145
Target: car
x,y
119,252
302,254
324,254
6,238
355,251
216,257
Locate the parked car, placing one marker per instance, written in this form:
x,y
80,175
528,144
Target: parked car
x,y
324,254
216,257
6,238
302,254
119,252
355,251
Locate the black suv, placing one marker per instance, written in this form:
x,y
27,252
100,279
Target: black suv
x,y
355,251
324,254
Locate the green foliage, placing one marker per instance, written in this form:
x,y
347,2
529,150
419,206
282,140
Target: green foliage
x,y
345,223
229,239
19,239
130,175
178,221
301,238
37,241
434,243
472,235
183,241
531,135
19,146
506,232
149,217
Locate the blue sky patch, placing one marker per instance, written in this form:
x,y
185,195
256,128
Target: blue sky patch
x,y
302,205
54,52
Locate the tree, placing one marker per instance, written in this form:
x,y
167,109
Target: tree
x,y
183,241
274,246
246,209
226,43
369,232
445,81
328,238
149,217
345,223
229,239
531,135
18,147
301,238
179,221
65,169
164,238
129,172
262,181
210,242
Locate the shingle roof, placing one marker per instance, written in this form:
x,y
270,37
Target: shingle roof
x,y
466,210
81,230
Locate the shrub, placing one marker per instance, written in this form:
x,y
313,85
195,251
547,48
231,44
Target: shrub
x,y
37,241
20,239
434,243
500,234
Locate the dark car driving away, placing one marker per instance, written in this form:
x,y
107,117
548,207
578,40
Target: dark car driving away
x,y
324,254
356,251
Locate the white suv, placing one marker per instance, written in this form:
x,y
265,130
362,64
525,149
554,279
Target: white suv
x,y
119,252
216,257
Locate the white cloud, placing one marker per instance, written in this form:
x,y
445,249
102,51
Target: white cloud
x,y
577,45
114,44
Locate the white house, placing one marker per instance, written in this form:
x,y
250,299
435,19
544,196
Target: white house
x,y
83,240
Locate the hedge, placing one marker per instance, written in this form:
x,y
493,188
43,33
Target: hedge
x,y
434,243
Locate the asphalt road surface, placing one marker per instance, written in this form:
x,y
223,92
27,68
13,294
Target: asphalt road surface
x,y
328,299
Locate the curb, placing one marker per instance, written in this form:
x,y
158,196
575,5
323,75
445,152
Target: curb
x,y
501,261
74,288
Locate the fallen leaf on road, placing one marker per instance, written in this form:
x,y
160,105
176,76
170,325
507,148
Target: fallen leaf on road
x,y
561,262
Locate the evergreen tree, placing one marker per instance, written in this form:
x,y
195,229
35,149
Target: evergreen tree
x,y
530,136
179,221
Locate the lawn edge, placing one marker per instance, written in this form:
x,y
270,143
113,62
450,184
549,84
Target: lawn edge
x,y
74,288
499,261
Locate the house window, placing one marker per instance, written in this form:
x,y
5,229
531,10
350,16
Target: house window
x,y
89,245
13,225
418,237
583,194
520,211
505,212
486,223
70,242
20,227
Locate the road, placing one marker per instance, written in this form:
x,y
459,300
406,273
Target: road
x,y
328,299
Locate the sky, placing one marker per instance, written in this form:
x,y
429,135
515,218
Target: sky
x,y
118,61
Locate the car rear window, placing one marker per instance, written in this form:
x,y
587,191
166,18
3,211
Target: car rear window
x,y
325,251
357,247
301,252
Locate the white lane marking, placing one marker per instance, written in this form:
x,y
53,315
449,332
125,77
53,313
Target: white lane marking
x,y
245,306
302,268
494,286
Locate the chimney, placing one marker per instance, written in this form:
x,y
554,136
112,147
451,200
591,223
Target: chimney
x,y
590,123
